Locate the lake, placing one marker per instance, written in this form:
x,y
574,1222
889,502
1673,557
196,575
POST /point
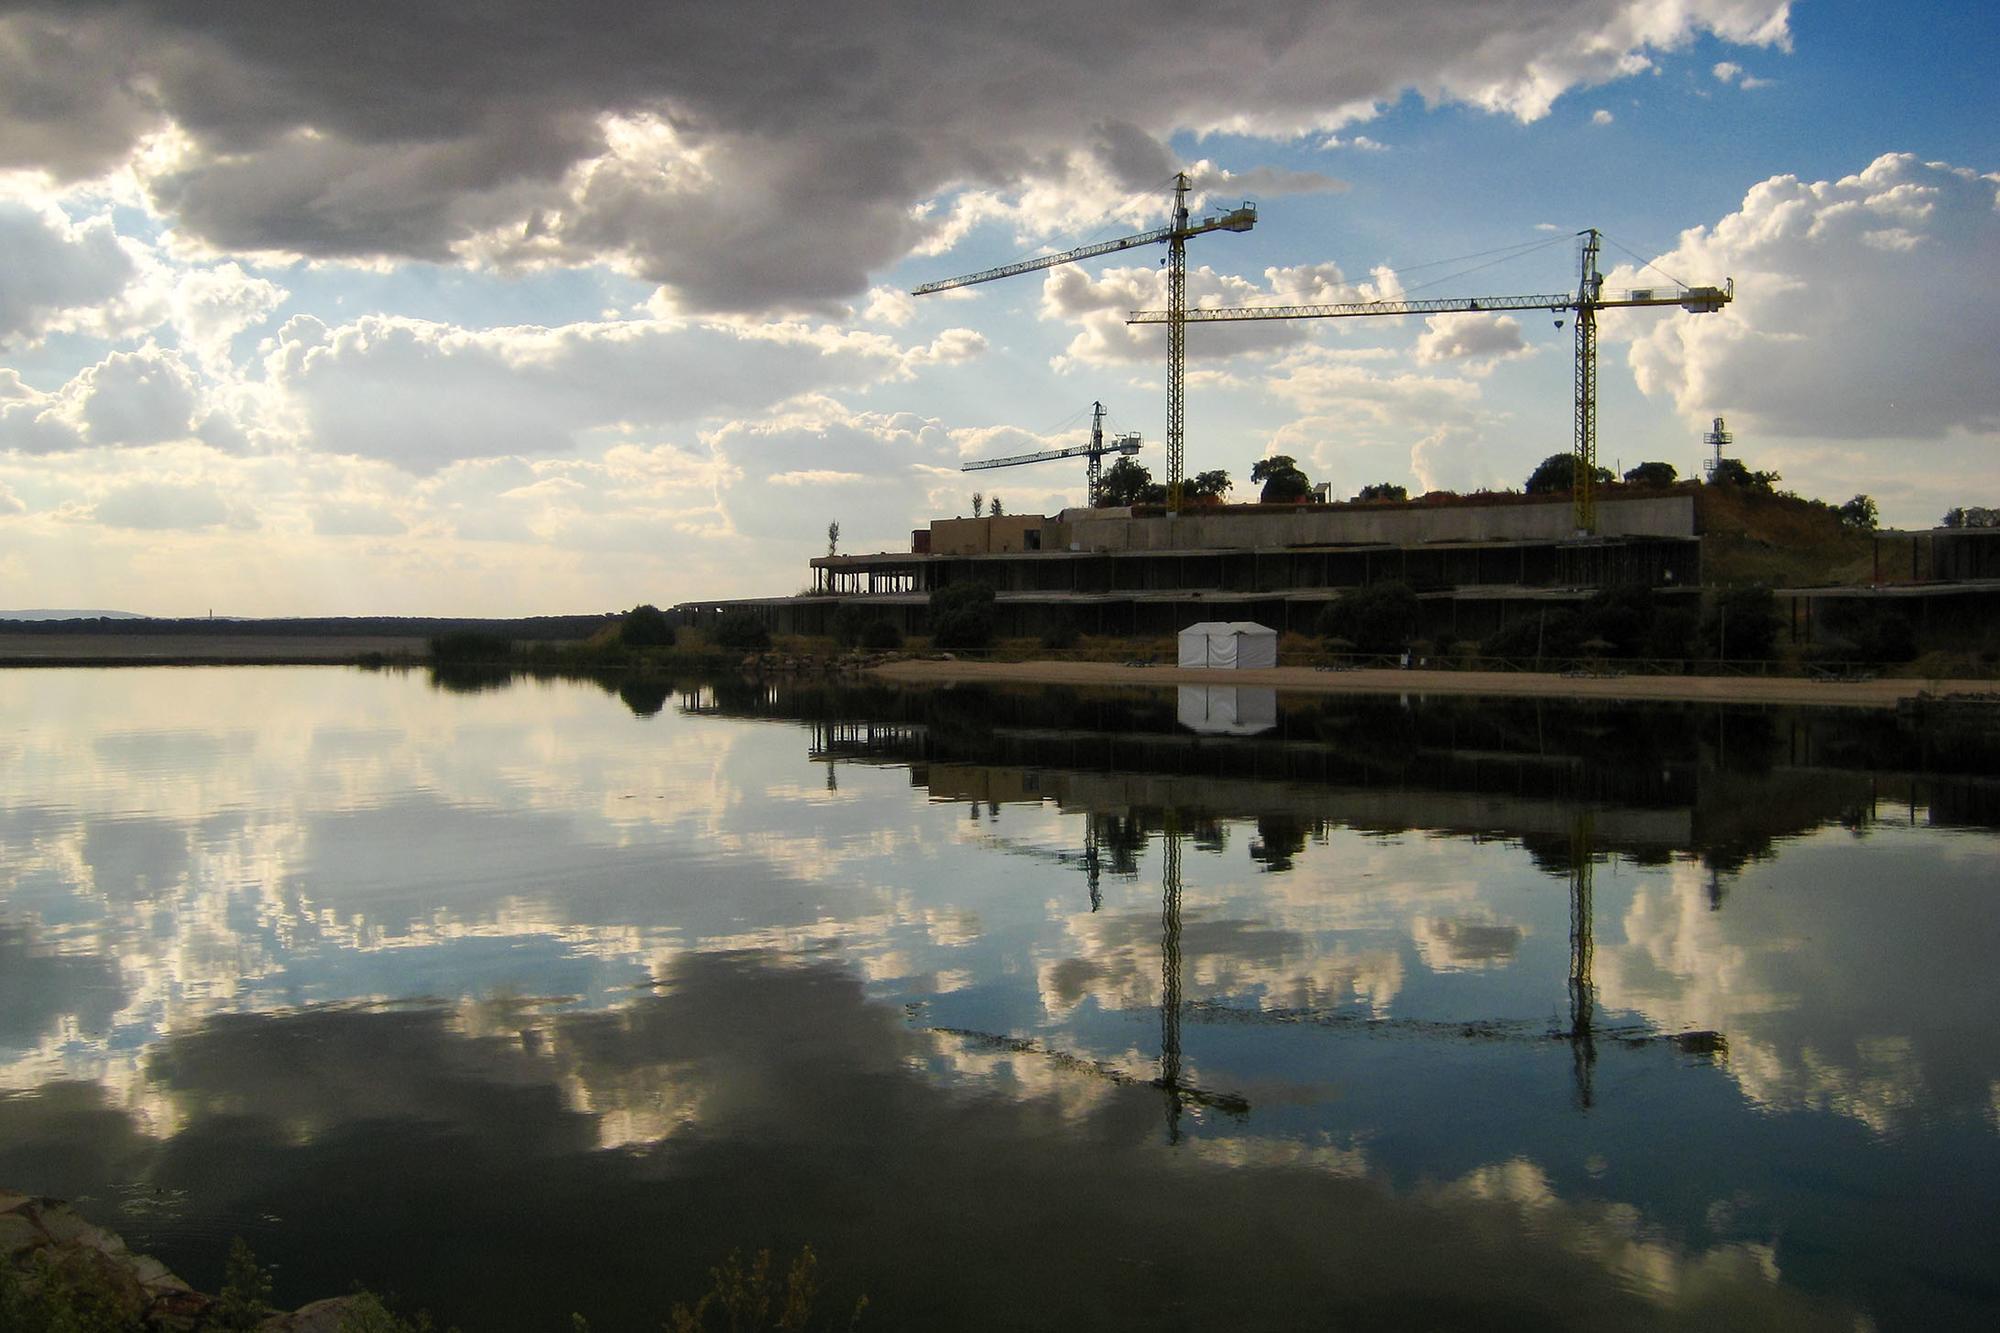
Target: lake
x,y
1023,1008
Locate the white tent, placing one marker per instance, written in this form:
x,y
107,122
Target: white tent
x,y
1228,710
1228,643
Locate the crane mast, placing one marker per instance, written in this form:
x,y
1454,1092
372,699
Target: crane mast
x,y
1093,454
1588,299
1175,234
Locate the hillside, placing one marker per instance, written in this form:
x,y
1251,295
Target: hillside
x,y
1780,540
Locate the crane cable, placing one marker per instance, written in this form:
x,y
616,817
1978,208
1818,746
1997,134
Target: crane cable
x,y
1645,263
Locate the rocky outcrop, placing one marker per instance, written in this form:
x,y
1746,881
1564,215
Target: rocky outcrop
x,y
45,1241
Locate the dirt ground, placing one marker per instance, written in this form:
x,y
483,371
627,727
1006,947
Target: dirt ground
x,y
1719,689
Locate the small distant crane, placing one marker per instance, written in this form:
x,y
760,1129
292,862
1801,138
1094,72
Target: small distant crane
x,y
1587,301
1175,234
1093,453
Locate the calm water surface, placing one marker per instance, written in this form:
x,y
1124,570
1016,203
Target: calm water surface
x,y
1024,1008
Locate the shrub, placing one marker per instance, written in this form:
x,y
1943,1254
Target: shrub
x,y
1380,618
1742,623
1675,633
1552,632
646,626
471,645
880,636
741,631
962,618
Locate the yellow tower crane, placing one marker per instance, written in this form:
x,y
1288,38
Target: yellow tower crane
x,y
1588,300
1176,235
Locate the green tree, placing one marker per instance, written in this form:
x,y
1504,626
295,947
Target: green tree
x,y
833,537
1556,475
1742,623
1859,514
993,506
962,618
1731,472
741,630
1207,486
1652,474
1281,479
646,626
1380,618
1383,490
1124,483
245,1297
880,636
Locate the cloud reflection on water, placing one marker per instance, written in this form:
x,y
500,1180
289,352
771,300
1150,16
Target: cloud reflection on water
x,y
559,883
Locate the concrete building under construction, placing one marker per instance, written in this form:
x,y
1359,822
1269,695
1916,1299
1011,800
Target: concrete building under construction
x,y
1475,561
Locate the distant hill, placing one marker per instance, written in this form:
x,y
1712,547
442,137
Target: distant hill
x,y
126,625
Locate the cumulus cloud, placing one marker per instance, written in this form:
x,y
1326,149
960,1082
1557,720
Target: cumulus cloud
x,y
32,422
54,266
793,472
1601,117
1470,337
137,398
210,307
1866,307
749,159
422,395
1100,305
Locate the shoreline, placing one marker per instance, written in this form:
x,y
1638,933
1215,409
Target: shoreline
x,y
1881,694
174,650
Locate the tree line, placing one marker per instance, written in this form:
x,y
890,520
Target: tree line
x,y
1280,480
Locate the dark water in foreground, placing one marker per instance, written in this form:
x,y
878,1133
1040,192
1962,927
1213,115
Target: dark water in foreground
x,y
1024,1008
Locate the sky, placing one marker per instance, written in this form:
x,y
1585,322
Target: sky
x,y
510,309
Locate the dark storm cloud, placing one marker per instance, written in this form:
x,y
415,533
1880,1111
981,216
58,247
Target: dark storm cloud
x,y
788,145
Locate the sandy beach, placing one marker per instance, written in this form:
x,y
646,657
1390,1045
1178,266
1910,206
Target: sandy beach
x,y
1715,689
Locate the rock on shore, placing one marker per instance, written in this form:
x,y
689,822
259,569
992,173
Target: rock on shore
x,y
41,1236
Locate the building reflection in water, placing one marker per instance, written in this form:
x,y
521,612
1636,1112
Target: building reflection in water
x,y
674,956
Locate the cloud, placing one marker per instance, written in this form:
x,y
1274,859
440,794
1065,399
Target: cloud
x,y
749,160
1866,307
355,518
32,422
1728,71
1601,117
1100,304
793,472
1470,337
422,395
155,506
54,266
136,398
1360,143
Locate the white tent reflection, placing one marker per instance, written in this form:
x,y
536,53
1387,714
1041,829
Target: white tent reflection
x,y
1228,710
